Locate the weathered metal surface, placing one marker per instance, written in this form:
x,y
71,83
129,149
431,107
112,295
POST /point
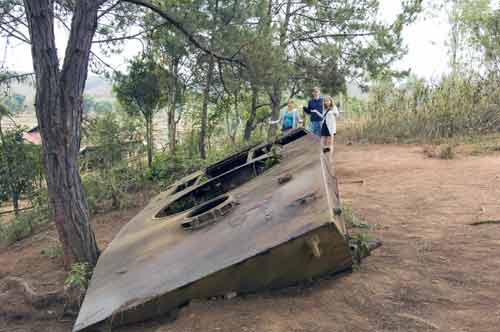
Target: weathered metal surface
x,y
279,233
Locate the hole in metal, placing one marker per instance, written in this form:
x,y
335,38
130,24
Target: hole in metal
x,y
217,186
209,212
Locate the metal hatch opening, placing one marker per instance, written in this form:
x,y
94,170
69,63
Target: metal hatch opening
x,y
209,212
216,187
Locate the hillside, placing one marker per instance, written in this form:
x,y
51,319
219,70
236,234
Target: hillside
x,y
97,87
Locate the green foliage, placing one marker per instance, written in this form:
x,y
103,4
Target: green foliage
x,y
351,219
140,92
168,168
111,138
25,223
19,229
274,157
114,188
20,165
112,160
79,276
14,103
476,26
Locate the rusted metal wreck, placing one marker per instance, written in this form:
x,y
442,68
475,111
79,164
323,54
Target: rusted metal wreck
x,y
259,219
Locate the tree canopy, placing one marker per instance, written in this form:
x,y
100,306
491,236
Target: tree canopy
x,y
242,56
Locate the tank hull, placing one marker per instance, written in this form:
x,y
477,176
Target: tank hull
x,y
281,230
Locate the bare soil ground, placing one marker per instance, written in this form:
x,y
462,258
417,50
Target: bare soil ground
x,y
435,272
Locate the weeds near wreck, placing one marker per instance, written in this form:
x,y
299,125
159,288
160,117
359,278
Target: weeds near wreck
x,y
274,156
352,220
79,276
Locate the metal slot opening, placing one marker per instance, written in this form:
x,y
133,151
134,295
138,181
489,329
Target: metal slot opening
x,y
292,136
216,187
208,213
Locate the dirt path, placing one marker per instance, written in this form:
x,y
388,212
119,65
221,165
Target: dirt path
x,y
434,272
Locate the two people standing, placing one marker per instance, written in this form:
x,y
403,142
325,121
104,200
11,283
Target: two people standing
x,y
323,114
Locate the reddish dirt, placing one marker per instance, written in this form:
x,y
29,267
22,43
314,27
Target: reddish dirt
x,y
435,272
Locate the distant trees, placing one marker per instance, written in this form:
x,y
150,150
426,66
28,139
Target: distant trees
x,y
20,164
139,91
293,28
14,103
474,35
90,104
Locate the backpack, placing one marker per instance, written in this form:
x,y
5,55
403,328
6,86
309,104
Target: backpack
x,y
288,118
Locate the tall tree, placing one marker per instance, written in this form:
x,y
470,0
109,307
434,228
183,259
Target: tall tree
x,y
140,91
366,44
59,95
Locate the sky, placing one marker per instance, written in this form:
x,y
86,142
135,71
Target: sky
x,y
427,55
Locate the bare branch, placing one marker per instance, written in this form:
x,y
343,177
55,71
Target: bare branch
x,y
331,35
109,9
134,36
13,32
6,78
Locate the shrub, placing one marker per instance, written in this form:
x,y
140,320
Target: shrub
x,y
79,276
26,221
447,152
167,168
113,188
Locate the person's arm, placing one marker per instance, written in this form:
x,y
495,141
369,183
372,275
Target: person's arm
x,y
299,118
336,111
278,119
307,109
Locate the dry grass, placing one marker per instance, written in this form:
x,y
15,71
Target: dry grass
x,y
427,113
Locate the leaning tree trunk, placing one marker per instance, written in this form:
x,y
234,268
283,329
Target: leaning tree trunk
x,y
277,85
59,96
204,109
172,124
250,124
172,129
149,137
275,107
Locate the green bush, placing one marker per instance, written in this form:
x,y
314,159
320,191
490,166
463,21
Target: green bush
x,y
114,188
167,168
26,222
79,276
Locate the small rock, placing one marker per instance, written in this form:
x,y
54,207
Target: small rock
x,y
230,295
284,179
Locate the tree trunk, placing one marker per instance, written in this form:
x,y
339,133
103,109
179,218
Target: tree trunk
x,y
277,85
172,125
59,96
204,109
250,126
172,129
149,137
275,107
